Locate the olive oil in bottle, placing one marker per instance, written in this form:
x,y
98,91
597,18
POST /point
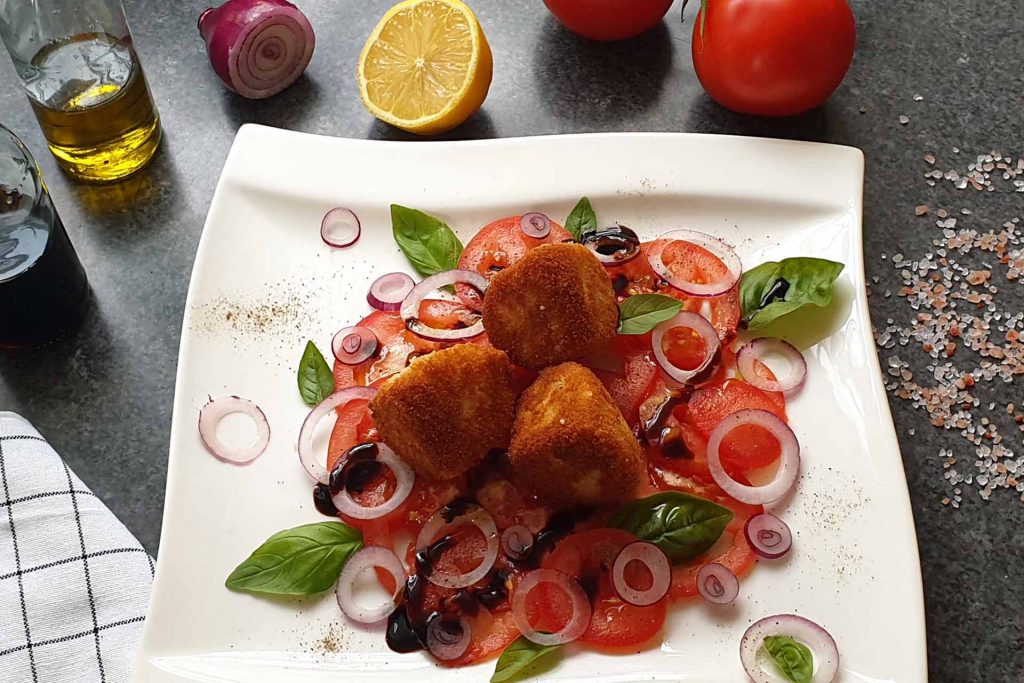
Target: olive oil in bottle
x,y
90,96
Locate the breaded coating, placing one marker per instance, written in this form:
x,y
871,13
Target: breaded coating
x,y
570,444
554,305
444,412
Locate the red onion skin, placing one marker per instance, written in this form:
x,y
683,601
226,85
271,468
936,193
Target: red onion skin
x,y
222,29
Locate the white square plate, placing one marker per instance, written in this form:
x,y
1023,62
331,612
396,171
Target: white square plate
x,y
263,283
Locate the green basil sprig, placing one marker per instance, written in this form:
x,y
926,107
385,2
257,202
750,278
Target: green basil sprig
x,y
641,313
773,289
302,561
429,244
793,658
520,655
581,219
682,525
316,381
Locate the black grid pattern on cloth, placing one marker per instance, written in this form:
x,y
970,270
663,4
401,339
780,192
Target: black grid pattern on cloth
x,y
49,552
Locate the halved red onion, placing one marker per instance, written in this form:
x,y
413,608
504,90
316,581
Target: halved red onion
x,y
368,558
535,224
405,477
444,641
340,227
691,321
517,542
437,527
716,583
759,348
726,254
759,666
789,458
216,410
389,291
411,305
768,535
353,345
652,557
314,468
574,627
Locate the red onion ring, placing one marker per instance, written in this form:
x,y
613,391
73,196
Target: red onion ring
x,y
818,641
216,410
405,477
389,291
578,622
367,558
445,645
340,227
692,321
717,247
656,562
535,224
757,349
257,48
768,535
309,461
517,542
353,345
789,459
411,305
717,584
436,527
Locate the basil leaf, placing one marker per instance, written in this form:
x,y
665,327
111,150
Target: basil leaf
x,y
793,658
300,561
642,312
790,284
429,244
316,381
682,525
581,219
519,656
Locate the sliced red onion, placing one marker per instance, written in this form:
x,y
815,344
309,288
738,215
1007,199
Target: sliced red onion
x,y
517,542
762,669
714,245
258,48
389,291
652,557
535,224
405,477
411,305
446,643
612,246
312,464
578,622
789,459
368,558
353,345
340,227
437,527
768,535
692,321
758,349
716,583
216,410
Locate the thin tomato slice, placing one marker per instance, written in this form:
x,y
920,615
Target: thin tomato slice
x,y
629,387
746,447
502,243
588,557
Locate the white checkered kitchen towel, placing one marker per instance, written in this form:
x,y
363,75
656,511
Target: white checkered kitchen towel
x,y
74,583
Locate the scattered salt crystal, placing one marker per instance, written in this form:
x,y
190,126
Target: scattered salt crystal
x,y
904,119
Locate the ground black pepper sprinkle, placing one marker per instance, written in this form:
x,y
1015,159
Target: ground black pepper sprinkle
x,y
959,320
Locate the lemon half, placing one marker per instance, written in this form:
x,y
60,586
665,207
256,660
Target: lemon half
x,y
426,66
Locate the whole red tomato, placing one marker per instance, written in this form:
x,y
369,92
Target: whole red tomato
x,y
773,57
608,19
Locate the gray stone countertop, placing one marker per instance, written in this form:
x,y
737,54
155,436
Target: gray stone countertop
x,y
103,395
